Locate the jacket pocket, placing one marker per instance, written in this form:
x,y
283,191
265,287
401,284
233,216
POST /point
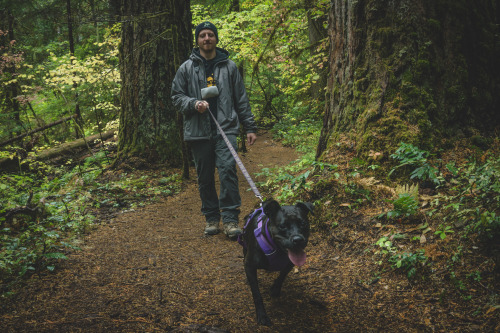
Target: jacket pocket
x,y
194,126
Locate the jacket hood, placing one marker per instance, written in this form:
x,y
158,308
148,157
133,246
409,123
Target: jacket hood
x,y
220,55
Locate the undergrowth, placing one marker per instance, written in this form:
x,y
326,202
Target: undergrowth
x,y
44,211
461,209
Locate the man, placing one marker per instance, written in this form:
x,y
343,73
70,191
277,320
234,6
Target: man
x,y
207,66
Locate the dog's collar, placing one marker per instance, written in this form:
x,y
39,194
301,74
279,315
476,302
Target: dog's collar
x,y
276,257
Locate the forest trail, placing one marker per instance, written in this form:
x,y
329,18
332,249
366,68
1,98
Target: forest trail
x,y
153,270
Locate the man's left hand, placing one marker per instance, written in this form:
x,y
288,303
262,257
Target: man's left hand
x,y
251,138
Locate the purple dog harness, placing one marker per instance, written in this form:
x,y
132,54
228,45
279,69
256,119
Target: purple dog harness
x,y
276,257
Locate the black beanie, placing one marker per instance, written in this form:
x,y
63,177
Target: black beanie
x,y
203,26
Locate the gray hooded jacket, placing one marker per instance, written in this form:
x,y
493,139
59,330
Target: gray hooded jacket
x,y
233,106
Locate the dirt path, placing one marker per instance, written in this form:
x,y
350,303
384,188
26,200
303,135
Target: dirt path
x,y
152,270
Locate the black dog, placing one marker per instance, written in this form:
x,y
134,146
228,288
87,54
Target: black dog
x,y
274,239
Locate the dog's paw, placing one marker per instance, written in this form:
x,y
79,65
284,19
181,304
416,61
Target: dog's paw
x,y
264,320
275,290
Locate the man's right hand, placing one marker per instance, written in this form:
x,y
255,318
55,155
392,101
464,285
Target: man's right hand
x,y
201,106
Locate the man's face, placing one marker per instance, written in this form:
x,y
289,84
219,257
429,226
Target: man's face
x,y
206,40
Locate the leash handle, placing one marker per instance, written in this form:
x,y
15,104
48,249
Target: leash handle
x,y
237,159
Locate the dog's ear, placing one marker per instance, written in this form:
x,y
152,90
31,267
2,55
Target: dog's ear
x,y
271,207
307,207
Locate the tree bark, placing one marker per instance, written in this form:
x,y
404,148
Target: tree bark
x,y
317,33
413,71
71,39
10,91
235,6
156,39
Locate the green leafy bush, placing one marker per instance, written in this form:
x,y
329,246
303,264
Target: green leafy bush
x,y
404,206
409,155
476,196
487,223
409,262
443,231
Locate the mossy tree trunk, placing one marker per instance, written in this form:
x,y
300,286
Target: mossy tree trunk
x,y
414,71
156,39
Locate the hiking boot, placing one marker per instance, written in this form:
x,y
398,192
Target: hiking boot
x,y
212,228
232,230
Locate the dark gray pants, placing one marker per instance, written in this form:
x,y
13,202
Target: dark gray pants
x,y
208,155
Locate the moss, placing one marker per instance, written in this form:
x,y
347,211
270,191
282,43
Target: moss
x,y
415,78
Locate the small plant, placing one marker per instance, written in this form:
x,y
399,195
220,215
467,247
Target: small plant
x,y
486,179
457,282
408,189
404,206
409,155
385,245
488,223
409,262
476,276
443,231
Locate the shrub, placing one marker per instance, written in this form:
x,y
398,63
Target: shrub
x,y
409,155
409,262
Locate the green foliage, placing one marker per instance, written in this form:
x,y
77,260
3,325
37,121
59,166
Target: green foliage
x,y
404,206
356,193
443,231
71,200
49,88
35,248
409,262
288,182
302,134
485,180
284,184
409,155
385,246
475,197
281,68
487,223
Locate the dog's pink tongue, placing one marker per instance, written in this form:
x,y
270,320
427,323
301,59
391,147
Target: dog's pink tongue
x,y
298,258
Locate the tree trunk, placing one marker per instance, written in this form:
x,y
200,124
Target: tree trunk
x,y
235,6
10,91
413,71
70,28
71,39
94,19
156,39
317,33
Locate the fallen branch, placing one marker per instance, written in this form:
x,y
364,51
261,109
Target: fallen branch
x,y
19,137
65,148
69,147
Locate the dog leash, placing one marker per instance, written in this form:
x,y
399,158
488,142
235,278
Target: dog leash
x,y
237,159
